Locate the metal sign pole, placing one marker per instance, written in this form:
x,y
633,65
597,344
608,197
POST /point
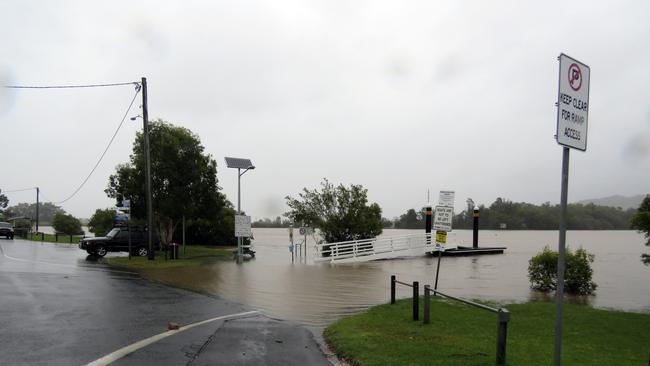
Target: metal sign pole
x,y
572,119
435,286
128,228
559,294
293,248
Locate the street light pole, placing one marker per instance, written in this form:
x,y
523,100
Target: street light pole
x,y
147,162
239,239
246,165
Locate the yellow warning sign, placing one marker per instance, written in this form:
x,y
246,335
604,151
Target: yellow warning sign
x,y
441,237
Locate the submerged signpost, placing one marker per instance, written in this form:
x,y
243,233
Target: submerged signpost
x,y
442,224
572,118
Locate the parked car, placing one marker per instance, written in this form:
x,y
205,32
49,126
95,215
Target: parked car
x,y
6,230
117,240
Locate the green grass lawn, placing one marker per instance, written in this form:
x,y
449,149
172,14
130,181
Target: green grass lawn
x,y
463,335
194,255
51,238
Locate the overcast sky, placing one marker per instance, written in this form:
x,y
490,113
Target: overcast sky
x,y
399,96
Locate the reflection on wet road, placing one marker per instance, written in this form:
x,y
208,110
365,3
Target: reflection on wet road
x,y
34,257
58,308
316,294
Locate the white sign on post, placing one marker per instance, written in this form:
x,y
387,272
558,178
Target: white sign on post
x,y
443,217
573,103
243,226
446,198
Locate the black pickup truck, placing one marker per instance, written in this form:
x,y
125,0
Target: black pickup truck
x,y
117,240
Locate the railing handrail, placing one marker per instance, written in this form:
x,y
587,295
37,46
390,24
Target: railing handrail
x,y
403,283
503,315
368,240
472,303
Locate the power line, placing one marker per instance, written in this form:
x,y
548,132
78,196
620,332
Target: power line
x,y
69,86
137,91
18,190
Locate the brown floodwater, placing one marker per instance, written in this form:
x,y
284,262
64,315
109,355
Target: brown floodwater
x,y
317,294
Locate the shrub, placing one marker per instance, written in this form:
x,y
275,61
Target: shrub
x,y
542,271
67,224
101,222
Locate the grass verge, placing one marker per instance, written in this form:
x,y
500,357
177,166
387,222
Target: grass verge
x,y
52,238
193,256
462,335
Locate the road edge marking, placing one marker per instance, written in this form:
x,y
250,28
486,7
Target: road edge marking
x,y
124,351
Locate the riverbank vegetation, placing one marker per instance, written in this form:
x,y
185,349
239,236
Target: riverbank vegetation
x,y
462,335
191,256
505,214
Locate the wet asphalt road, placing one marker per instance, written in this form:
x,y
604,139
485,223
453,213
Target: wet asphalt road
x,y
60,307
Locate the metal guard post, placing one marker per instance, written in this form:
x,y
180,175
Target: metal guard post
x,y
416,300
392,289
427,297
502,335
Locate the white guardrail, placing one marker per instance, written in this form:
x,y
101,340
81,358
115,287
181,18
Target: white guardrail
x,y
377,248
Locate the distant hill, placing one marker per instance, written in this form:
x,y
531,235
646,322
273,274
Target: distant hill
x,y
617,201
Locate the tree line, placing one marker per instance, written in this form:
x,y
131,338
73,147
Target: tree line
x,y
505,214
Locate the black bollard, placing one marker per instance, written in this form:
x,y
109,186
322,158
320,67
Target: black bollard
x,y
476,216
416,300
427,299
502,335
392,289
428,222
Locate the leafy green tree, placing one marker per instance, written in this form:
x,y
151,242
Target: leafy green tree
x,y
386,223
341,213
542,271
641,222
101,222
4,201
410,220
641,219
183,183
67,224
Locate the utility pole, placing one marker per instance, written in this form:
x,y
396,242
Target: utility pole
x,y
37,193
147,162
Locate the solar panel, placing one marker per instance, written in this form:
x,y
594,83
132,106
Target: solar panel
x,y
239,163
